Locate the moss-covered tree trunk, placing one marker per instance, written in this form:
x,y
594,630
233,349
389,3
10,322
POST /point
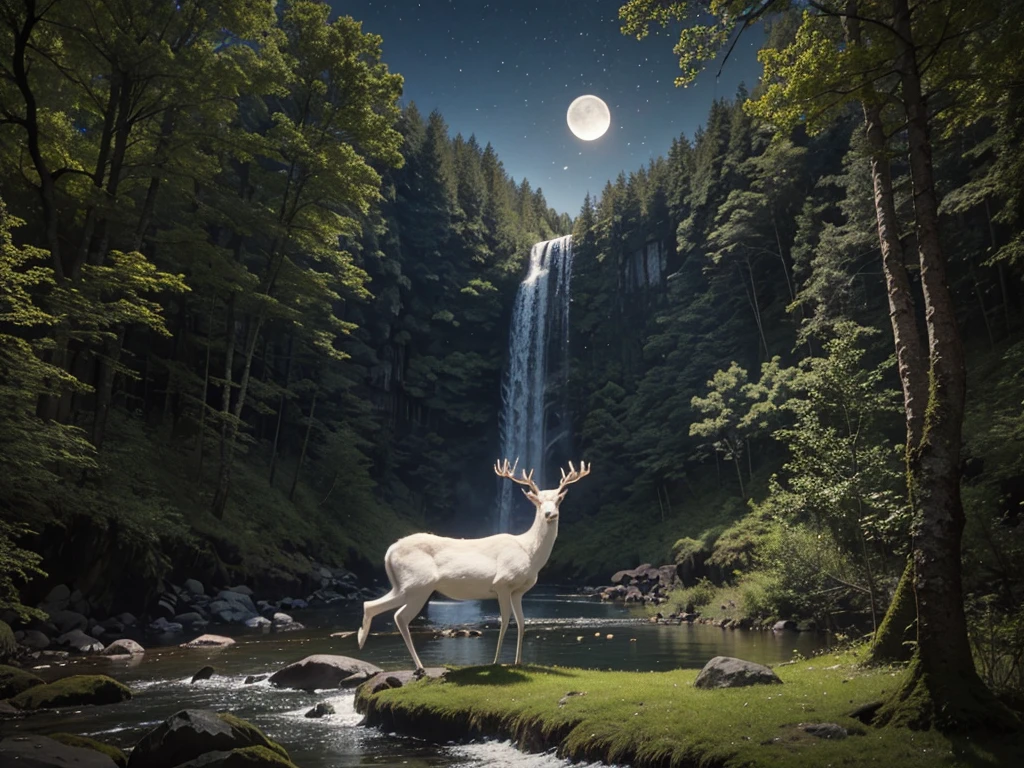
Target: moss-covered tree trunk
x,y
942,687
893,642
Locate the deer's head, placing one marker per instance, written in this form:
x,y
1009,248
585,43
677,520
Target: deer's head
x,y
546,502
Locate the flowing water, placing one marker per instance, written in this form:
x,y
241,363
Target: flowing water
x,y
160,679
533,421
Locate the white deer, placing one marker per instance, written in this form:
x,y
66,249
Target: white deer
x,y
502,566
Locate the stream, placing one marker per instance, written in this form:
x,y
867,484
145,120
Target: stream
x,y
160,680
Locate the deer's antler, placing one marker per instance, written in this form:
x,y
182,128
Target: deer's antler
x,y
574,474
502,469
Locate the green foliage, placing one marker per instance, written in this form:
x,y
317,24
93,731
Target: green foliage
x,y
997,639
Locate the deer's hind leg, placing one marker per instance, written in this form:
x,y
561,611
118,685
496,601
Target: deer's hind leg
x,y
372,608
413,605
517,611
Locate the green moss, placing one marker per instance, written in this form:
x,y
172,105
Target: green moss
x,y
85,742
253,733
659,718
14,681
8,645
256,756
73,691
893,641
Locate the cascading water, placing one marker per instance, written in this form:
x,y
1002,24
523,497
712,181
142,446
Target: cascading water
x,y
533,421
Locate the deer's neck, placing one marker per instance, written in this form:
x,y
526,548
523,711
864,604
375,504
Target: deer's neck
x,y
539,540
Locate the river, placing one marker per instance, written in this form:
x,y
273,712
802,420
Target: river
x,y
555,624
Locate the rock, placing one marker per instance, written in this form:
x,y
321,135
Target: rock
x,y
324,671
73,691
77,640
246,757
14,681
255,679
241,589
258,622
824,730
57,599
729,672
237,599
167,605
217,606
35,640
188,619
280,619
384,680
164,627
209,641
293,627
122,647
127,620
294,603
203,674
84,742
783,626
194,586
8,643
78,603
192,733
65,621
321,710
30,751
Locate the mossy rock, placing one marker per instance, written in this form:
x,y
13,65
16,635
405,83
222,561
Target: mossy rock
x,y
244,757
85,742
8,645
192,734
73,691
14,681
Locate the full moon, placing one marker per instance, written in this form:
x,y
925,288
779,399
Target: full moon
x,y
588,117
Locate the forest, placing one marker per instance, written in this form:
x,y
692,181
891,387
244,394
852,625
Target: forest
x,y
254,311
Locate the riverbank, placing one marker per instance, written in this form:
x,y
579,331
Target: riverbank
x,y
661,719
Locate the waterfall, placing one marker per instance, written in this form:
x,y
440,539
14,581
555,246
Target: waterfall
x,y
534,419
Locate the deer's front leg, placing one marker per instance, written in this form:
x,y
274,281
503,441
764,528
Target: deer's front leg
x,y
504,601
517,609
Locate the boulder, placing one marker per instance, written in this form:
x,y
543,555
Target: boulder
x,y
35,640
14,681
321,710
127,620
324,671
282,618
729,672
73,691
824,730
57,598
120,758
241,589
122,647
258,622
784,626
8,644
31,751
204,674
209,641
194,586
245,757
192,733
255,679
216,606
237,599
294,603
77,640
65,621
78,603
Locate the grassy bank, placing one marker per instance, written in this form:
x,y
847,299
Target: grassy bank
x,y
660,719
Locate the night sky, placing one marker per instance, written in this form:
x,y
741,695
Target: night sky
x,y
507,72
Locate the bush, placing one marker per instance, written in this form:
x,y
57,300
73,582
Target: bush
x,y
997,639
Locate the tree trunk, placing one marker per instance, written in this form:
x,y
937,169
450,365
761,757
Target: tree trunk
x,y
280,410
942,688
220,496
305,445
893,642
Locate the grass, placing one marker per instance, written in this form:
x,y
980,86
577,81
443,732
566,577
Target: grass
x,y
660,719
